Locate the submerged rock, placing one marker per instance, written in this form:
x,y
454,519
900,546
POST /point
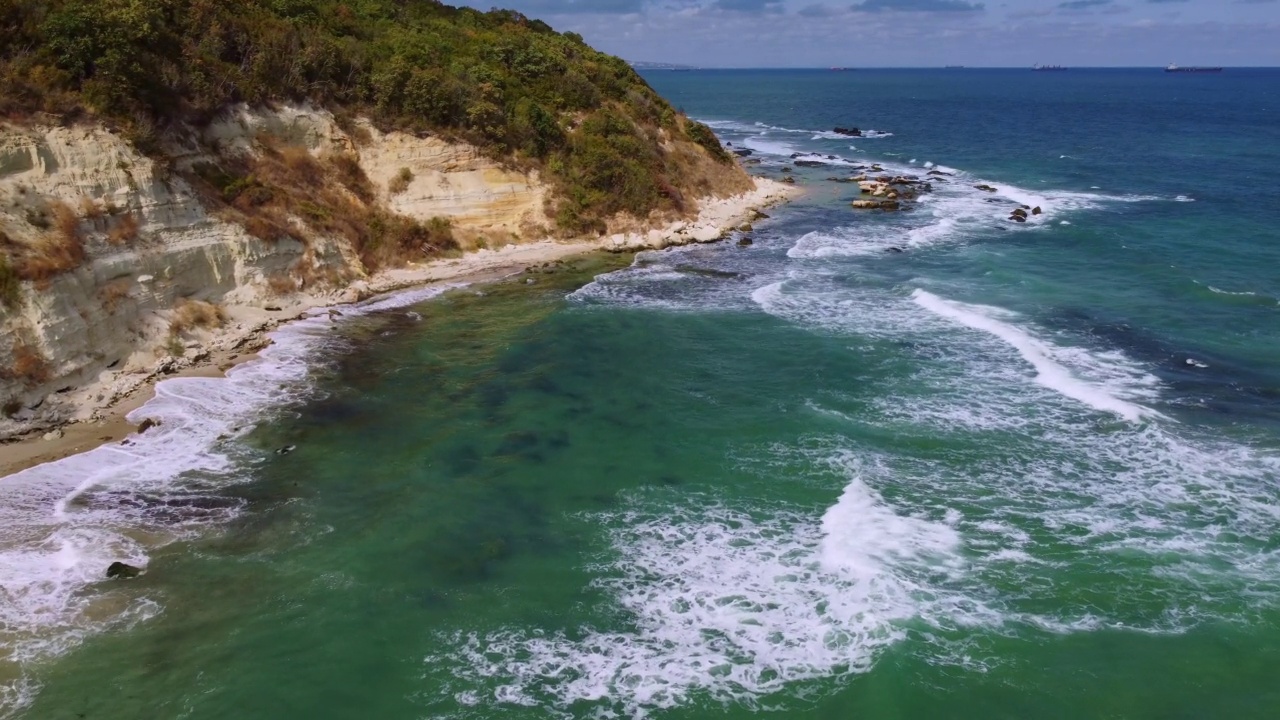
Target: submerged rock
x,y
985,188
286,449
850,132
744,242
123,571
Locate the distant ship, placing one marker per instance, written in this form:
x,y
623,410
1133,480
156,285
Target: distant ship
x,y
1174,68
841,68
1048,68
953,67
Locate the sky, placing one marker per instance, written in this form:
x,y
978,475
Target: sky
x,y
920,33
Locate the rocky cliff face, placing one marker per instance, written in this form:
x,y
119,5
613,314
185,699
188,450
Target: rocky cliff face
x,y
151,246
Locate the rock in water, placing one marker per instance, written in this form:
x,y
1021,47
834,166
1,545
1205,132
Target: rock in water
x,y
1035,210
147,424
744,242
1019,212
123,571
286,449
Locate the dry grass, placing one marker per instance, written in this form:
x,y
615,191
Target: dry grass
x,y
400,182
125,230
282,283
56,251
29,365
66,223
192,314
286,192
114,293
10,283
90,210
702,175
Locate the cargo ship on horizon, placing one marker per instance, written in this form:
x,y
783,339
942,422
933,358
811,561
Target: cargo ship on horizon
x,y
1174,68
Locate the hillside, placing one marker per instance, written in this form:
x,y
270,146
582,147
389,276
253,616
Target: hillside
x,y
167,166
507,84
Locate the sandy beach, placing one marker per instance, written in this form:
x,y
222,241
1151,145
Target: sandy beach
x,y
105,404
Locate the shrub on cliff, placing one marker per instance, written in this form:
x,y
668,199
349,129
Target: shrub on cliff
x,y
507,83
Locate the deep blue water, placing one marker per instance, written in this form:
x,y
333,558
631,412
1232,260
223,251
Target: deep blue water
x,y
1139,271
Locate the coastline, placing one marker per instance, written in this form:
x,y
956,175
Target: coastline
x,y
248,328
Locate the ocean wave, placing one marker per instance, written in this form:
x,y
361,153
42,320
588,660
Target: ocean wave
x,y
728,604
1043,357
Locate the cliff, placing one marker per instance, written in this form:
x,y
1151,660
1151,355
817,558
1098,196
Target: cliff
x,y
175,174
135,267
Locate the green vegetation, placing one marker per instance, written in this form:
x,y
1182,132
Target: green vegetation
x,y
511,85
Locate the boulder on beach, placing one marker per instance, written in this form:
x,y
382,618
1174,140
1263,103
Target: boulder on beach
x,y
123,571
745,227
789,180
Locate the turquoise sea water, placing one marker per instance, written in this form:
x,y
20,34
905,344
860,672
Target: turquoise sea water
x,y
1013,471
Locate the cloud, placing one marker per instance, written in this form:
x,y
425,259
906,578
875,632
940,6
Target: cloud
x,y
1025,14
917,6
817,11
578,7
1167,1
1082,4
749,6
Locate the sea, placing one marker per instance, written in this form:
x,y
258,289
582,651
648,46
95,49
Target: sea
x,y
932,463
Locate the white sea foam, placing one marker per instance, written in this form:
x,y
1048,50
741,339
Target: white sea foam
x,y
63,523
1039,354
729,604
768,146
